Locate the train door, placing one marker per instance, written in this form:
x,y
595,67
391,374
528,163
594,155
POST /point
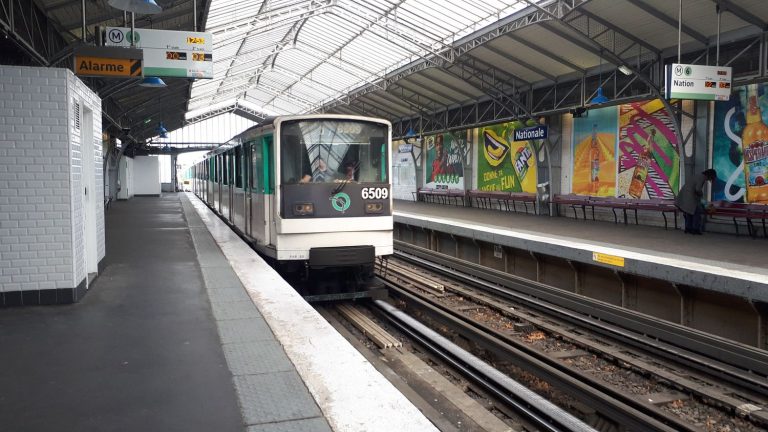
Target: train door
x,y
262,186
247,188
231,184
219,180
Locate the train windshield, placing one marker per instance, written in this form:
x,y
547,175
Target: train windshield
x,y
333,151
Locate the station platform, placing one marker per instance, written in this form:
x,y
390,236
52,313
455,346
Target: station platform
x,y
718,262
187,329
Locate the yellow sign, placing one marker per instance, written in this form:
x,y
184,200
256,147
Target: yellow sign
x,y
608,259
195,40
99,66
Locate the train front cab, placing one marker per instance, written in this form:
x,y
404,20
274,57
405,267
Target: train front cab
x,y
334,205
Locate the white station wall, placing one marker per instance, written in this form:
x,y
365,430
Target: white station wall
x,y
51,185
146,175
125,178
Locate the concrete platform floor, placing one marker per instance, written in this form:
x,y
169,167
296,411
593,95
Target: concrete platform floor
x,y
729,251
139,353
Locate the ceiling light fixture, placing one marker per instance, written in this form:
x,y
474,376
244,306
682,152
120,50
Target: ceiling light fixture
x,y
146,7
625,70
152,82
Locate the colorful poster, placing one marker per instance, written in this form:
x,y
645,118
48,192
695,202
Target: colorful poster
x,y
736,121
503,164
446,155
649,157
405,154
594,153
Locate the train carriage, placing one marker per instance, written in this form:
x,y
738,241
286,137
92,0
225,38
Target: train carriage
x,y
311,193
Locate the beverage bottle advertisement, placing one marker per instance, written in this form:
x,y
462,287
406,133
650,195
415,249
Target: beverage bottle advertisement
x,y
739,151
594,153
504,164
649,159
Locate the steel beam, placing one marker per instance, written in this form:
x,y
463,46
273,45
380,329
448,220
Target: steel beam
x,y
669,20
742,14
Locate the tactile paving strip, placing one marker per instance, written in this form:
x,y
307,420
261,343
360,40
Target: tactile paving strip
x,y
274,397
307,425
234,294
234,310
244,330
220,278
249,358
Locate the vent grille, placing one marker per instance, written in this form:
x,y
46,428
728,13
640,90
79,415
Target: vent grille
x,y
76,107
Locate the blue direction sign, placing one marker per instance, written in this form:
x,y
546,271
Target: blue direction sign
x,y
531,133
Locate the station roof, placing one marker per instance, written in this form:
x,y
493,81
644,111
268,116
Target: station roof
x,y
398,58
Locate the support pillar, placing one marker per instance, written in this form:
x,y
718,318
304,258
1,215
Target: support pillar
x,y
174,178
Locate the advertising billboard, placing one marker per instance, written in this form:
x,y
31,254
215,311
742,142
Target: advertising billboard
x,y
740,129
502,163
649,157
446,155
594,153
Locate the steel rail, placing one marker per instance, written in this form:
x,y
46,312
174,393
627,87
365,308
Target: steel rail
x,y
534,408
735,363
614,405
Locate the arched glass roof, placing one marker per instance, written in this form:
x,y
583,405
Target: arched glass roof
x,y
291,56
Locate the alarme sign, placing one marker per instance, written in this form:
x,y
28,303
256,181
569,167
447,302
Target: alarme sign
x,y
697,82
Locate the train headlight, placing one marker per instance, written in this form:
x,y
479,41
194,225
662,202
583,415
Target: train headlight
x,y
303,209
374,207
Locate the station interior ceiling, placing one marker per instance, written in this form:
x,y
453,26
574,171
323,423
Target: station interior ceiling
x,y
396,59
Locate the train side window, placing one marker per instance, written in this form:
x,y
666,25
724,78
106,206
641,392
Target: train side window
x,y
267,164
256,168
238,167
231,166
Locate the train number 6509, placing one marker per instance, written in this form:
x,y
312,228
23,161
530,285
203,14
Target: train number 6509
x,y
375,193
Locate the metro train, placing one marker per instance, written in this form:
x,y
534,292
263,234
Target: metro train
x,y
311,194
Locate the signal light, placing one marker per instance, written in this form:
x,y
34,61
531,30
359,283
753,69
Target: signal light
x,y
374,207
303,209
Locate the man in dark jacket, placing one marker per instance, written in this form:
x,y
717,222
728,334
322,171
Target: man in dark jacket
x,y
689,200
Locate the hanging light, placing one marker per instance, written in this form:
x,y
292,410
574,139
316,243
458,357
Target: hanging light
x,y
152,82
146,7
162,132
600,97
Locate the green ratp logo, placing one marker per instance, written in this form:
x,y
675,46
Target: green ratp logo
x,y
340,202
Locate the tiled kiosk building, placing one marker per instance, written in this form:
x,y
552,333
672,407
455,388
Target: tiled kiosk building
x,y
51,186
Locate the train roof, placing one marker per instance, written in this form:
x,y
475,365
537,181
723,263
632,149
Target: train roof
x,y
271,120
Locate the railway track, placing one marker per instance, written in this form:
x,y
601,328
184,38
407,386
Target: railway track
x,y
741,394
536,412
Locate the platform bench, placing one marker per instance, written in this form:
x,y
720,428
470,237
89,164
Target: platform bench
x,y
440,196
490,199
626,205
741,211
573,201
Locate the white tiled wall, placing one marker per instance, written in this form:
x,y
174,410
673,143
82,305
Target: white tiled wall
x,y
37,176
88,100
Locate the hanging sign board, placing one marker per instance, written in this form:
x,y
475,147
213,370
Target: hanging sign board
x,y
531,133
684,81
107,62
101,66
168,53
